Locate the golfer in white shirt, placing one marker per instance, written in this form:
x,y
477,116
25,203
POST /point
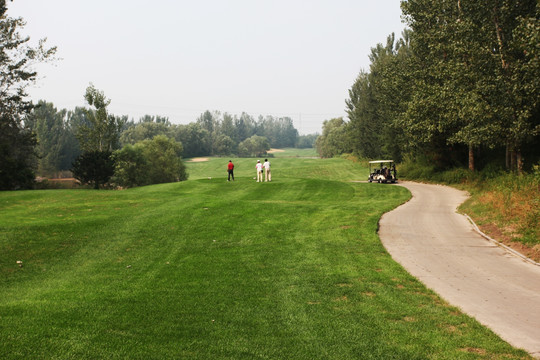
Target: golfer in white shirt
x,y
267,174
259,168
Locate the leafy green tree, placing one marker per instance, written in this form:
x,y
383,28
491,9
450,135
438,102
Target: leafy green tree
x,y
98,135
223,145
195,140
152,161
70,145
471,79
377,99
57,145
208,121
334,139
526,37
306,141
131,166
515,33
365,126
164,157
17,142
431,117
390,69
94,168
145,130
17,156
245,126
279,132
254,146
288,133
50,132
102,130
227,127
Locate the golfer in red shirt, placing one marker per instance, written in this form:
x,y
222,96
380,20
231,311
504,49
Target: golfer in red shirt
x,y
230,169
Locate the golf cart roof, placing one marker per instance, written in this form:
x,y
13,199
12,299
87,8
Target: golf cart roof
x,y
380,161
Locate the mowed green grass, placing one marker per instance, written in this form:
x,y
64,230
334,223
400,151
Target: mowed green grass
x,y
210,269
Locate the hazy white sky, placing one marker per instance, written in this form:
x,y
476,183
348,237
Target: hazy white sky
x,y
177,58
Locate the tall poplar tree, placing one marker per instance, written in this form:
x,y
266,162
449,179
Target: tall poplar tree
x,y
98,137
52,135
378,98
101,132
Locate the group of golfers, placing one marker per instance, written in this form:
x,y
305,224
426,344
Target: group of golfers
x,y
258,167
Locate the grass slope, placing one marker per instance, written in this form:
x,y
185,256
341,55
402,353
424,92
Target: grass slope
x,y
508,209
210,269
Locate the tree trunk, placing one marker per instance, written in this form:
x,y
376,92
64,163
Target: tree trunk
x,y
507,154
504,65
512,160
519,162
471,157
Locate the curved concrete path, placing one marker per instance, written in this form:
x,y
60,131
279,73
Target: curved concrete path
x,y
440,248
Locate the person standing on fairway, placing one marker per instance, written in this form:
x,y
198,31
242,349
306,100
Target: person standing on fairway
x,y
267,174
230,170
259,167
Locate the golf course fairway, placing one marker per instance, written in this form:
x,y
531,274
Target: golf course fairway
x,y
210,269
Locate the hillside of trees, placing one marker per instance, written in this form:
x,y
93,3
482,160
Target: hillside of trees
x,y
460,88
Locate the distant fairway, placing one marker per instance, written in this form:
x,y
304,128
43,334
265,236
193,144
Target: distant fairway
x,y
210,269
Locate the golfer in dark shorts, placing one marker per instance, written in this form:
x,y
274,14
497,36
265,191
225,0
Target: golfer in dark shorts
x,y
230,170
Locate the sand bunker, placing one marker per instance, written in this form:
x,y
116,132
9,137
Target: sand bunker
x,y
201,159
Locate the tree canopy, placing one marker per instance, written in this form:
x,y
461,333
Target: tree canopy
x,y
101,131
462,81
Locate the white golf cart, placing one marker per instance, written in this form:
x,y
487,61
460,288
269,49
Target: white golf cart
x,y
382,171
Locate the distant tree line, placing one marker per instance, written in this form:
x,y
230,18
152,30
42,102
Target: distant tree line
x,y
460,87
63,135
100,148
215,133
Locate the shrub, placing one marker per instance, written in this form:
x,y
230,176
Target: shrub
x,y
130,167
415,169
149,162
164,159
455,176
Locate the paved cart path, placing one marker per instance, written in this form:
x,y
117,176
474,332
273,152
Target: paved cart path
x,y
440,248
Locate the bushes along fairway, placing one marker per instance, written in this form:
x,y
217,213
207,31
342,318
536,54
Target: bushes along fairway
x,y
207,269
